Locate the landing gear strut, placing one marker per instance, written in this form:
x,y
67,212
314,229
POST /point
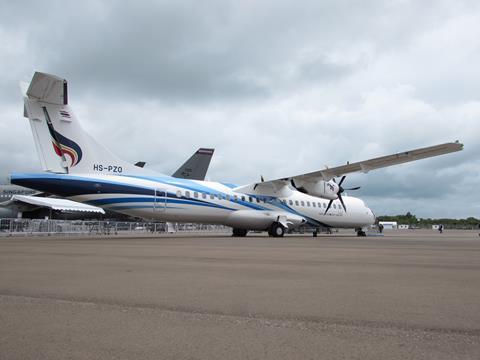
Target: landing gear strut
x,y
239,232
276,230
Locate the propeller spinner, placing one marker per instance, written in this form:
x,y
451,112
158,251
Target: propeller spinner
x,y
339,193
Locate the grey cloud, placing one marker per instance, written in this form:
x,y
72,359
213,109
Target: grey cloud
x,y
191,50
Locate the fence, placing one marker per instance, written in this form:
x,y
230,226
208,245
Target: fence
x,y
19,227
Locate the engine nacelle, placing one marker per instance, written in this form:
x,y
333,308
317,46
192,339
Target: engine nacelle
x,y
323,189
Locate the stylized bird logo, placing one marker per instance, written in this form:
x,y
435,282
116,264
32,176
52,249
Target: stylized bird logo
x,y
62,145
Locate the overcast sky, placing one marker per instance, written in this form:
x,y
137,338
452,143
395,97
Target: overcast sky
x,y
278,88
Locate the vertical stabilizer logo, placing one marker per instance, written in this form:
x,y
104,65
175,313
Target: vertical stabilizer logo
x,y
65,146
62,145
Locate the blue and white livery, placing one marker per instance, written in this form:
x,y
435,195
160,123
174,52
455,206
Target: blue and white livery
x,y
80,169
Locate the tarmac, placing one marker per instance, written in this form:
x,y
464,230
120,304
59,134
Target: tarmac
x,y
406,295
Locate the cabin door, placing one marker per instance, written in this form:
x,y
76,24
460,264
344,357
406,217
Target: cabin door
x,y
160,200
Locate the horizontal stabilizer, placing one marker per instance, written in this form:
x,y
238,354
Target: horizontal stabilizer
x,y
48,88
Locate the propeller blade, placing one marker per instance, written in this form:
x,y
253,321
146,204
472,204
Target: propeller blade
x,y
301,188
354,188
342,180
255,186
261,178
328,207
341,200
293,183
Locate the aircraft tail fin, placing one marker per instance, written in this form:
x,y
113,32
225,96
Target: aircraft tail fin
x,y
196,167
62,144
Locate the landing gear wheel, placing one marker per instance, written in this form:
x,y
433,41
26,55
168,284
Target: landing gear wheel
x,y
361,233
239,232
277,230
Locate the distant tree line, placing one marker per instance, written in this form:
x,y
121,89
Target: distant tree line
x,y
412,220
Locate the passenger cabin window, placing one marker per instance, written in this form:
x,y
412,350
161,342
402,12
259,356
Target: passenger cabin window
x,y
195,194
204,196
334,206
296,202
258,200
290,202
324,205
314,205
187,194
235,198
243,198
212,196
308,203
179,194
250,199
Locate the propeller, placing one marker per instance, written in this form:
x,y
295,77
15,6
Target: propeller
x,y
298,188
339,193
262,180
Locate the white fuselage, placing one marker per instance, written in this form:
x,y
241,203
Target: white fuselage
x,y
170,199
166,198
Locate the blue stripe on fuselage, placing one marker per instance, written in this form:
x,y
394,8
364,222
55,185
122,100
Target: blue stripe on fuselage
x,y
67,185
109,201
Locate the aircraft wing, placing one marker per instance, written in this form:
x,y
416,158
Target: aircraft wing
x,y
26,203
196,167
372,164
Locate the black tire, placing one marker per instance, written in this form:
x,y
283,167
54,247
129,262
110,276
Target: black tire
x,y
361,233
239,232
277,230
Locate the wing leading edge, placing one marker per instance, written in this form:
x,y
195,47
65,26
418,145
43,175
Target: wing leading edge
x,y
373,164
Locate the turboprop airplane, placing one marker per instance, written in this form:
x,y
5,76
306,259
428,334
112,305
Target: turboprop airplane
x,y
80,169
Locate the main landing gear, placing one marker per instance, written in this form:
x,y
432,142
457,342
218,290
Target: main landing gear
x,y
239,232
360,232
276,230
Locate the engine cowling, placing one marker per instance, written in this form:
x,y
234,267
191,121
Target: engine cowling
x,y
322,189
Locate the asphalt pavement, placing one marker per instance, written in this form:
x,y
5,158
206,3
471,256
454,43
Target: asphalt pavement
x,y
408,294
